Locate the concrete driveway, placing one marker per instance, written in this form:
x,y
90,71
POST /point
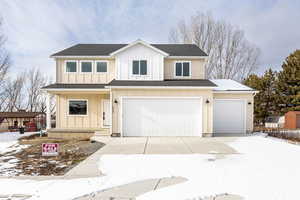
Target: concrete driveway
x,y
152,145
166,145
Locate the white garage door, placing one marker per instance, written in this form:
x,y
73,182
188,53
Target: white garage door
x,y
229,116
161,117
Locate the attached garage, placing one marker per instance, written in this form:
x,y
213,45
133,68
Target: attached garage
x,y
229,116
161,116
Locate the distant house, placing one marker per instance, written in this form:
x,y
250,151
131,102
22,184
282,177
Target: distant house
x,y
292,120
275,122
11,121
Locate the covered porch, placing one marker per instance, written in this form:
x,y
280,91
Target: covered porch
x,y
82,111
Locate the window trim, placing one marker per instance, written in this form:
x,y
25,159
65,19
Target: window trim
x,y
80,66
65,63
87,108
139,75
107,66
190,68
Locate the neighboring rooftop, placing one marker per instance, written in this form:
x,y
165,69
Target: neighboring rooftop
x,y
230,85
107,49
21,114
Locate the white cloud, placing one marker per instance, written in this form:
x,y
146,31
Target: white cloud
x,y
36,29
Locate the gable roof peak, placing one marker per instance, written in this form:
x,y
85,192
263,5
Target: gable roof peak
x,y
139,41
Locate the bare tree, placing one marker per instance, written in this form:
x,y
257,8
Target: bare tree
x,y
231,56
35,81
4,66
14,93
42,101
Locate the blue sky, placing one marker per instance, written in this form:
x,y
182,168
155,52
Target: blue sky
x,y
38,28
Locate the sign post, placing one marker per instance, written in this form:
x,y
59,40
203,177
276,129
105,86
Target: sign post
x,y
50,149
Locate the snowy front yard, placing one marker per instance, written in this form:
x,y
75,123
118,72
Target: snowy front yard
x,y
9,140
21,154
265,168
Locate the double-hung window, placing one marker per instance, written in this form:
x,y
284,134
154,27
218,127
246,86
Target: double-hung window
x,y
86,66
77,107
101,66
182,69
139,67
71,66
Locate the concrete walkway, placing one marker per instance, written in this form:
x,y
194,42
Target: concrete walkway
x,y
132,190
151,145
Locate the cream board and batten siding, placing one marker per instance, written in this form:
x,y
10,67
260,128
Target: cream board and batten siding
x,y
205,94
154,59
89,77
197,68
93,119
249,97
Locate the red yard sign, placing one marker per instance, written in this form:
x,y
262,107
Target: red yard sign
x,y
50,149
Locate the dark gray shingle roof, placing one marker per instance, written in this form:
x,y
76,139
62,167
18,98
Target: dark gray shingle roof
x,y
106,49
169,83
74,86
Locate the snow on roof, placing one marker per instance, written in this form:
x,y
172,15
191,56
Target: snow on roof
x,y
229,85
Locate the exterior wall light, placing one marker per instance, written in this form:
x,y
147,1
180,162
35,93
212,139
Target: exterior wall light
x,y
115,101
207,101
249,103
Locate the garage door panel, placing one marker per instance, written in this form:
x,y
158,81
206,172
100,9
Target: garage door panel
x,y
162,117
229,116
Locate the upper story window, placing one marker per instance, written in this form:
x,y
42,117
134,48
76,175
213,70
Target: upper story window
x,y
86,66
71,66
182,68
139,67
101,66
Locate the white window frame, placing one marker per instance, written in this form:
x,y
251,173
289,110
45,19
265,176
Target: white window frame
x,y
190,68
139,75
80,66
100,61
65,63
87,108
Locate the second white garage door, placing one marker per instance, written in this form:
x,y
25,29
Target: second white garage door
x,y
229,116
161,116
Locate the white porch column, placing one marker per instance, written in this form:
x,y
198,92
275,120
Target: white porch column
x,y
48,112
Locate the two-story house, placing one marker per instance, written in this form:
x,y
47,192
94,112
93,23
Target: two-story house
x,y
142,89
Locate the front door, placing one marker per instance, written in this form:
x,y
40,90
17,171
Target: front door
x,y
106,118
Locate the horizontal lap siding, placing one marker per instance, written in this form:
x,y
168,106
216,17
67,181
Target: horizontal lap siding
x,y
249,108
205,94
92,120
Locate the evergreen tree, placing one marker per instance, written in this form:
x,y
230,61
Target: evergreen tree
x,y
265,100
288,85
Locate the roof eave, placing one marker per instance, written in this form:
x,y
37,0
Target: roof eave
x,y
160,87
82,56
236,91
188,57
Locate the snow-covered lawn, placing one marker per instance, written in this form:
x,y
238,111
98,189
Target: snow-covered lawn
x,y
8,139
264,169
9,143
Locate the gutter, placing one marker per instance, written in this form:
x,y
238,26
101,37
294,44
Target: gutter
x,y
236,91
159,87
76,89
